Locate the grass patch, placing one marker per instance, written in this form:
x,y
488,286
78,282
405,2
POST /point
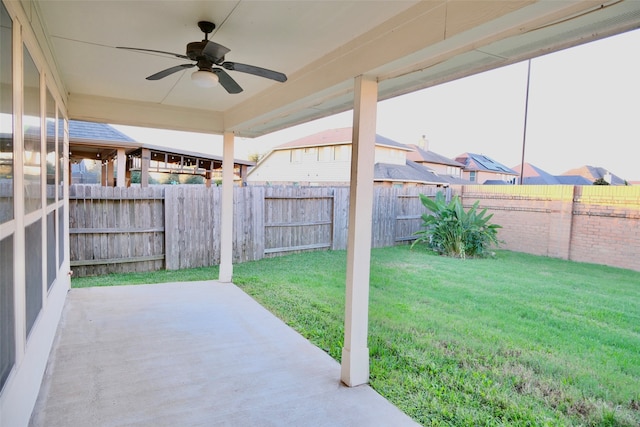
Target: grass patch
x,y
161,276
514,340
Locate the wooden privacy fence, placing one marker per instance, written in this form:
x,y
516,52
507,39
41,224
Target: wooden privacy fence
x,y
297,219
116,229
175,227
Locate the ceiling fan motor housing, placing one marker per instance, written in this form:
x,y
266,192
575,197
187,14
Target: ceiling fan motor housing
x,y
194,50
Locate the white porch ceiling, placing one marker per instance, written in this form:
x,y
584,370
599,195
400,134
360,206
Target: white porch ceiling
x,y
320,45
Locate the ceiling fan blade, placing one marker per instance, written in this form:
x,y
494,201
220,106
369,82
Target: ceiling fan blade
x,y
226,81
177,55
164,73
214,51
256,71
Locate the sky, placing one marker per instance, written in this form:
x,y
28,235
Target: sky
x,y
584,109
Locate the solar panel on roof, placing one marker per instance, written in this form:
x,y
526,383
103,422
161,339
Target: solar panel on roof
x,y
490,164
481,162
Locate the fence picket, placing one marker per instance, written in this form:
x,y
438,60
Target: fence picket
x,y
142,229
175,227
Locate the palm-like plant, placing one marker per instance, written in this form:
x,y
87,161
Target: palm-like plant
x,y
451,231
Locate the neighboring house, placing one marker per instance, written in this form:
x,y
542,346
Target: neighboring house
x,y
533,175
592,173
444,167
480,169
325,159
573,180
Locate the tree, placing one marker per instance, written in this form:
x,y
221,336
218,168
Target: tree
x,y
600,181
256,157
172,179
192,179
136,178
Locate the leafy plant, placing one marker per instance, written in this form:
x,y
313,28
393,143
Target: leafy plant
x,y
451,231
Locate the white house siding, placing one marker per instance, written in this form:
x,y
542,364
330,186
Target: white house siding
x,y
292,166
452,170
437,168
390,156
441,169
323,165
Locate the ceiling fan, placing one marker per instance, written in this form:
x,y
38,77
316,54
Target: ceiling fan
x,y
209,58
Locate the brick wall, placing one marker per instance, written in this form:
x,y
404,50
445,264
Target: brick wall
x,y
598,224
606,226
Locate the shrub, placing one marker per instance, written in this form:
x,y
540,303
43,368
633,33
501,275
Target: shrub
x,y
451,231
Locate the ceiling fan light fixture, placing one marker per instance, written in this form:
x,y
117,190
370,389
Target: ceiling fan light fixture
x,y
209,57
204,78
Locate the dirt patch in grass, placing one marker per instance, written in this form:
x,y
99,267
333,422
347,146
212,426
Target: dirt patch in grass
x,y
527,382
592,412
581,408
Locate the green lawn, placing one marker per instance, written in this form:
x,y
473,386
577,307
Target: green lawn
x,y
514,340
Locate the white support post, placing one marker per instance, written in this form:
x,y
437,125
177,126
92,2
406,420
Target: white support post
x,y
103,173
355,353
226,214
144,167
122,168
110,172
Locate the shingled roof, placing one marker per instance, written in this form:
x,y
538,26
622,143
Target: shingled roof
x,y
533,175
335,137
91,131
421,155
410,172
573,180
593,173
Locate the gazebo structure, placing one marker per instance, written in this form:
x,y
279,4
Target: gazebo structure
x,y
119,155
65,60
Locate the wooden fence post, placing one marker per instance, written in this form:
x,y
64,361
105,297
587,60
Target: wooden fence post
x,y
170,229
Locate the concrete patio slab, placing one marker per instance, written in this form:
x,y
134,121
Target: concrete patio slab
x,y
192,354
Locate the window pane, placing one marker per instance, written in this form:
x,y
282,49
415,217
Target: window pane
x,y
60,156
52,160
7,319
31,125
6,117
33,270
51,248
60,236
